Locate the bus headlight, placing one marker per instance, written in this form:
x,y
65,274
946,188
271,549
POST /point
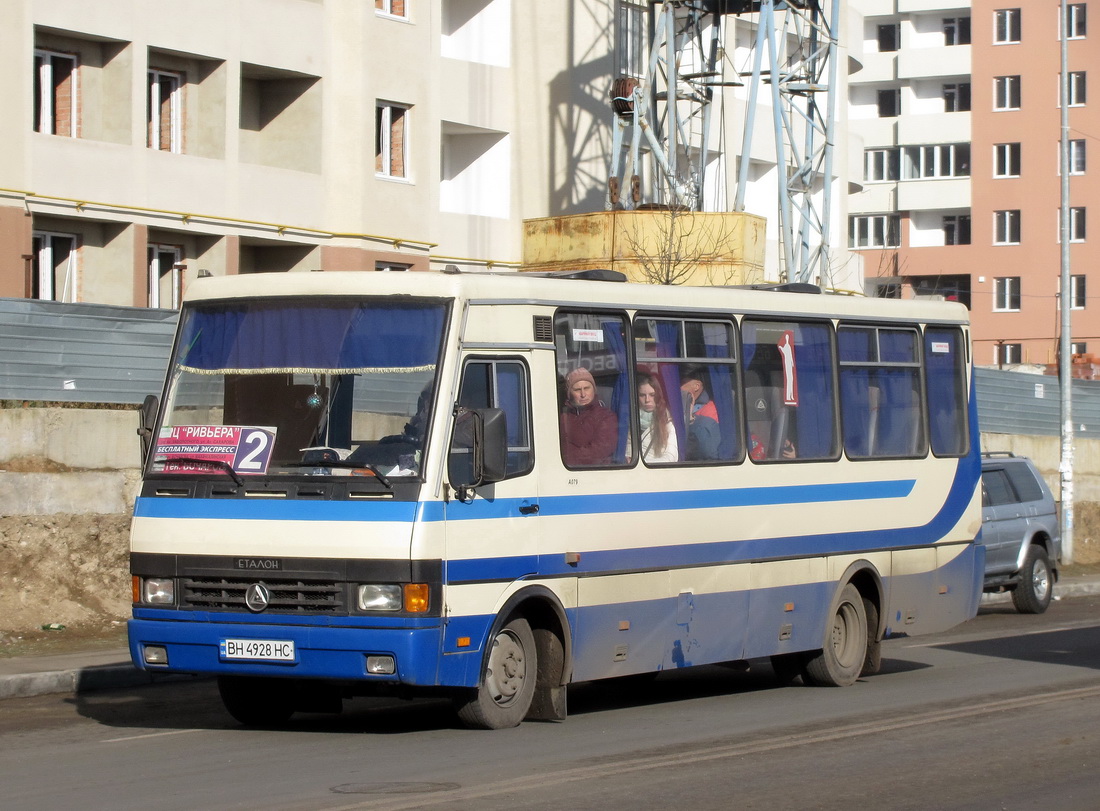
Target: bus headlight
x,y
379,597
158,591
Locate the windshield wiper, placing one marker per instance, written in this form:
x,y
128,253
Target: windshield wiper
x,y
198,460
378,474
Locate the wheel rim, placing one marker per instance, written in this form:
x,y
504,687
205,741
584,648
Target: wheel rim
x,y
1040,580
507,669
844,636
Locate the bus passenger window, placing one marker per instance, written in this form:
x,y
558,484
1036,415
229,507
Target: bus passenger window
x,y
945,379
692,365
595,395
880,393
789,390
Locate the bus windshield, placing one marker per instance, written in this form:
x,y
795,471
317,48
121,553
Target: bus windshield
x,y
321,387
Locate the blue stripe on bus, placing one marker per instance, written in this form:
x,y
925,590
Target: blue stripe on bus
x,y
481,508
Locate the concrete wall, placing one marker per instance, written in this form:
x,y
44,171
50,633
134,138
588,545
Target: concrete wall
x,y
87,461
68,461
1046,452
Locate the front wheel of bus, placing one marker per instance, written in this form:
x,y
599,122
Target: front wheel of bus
x,y
507,686
256,702
841,659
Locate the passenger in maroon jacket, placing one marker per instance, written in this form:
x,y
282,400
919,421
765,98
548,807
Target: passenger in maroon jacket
x,y
589,430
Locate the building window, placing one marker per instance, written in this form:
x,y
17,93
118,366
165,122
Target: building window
x,y
1006,230
943,160
391,8
956,97
889,37
956,30
874,231
1006,93
54,93
1076,156
1077,292
1076,88
54,266
1076,224
1006,294
1006,26
889,103
1005,354
1075,20
390,138
882,164
632,38
1006,160
164,116
956,229
165,278
392,266
1078,348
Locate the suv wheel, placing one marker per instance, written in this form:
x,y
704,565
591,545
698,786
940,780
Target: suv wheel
x,y
1032,595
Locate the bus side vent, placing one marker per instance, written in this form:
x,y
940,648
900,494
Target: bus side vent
x,y
544,329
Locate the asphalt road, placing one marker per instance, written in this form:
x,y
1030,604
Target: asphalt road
x,y
1003,712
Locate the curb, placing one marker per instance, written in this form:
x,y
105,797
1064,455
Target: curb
x,y
73,681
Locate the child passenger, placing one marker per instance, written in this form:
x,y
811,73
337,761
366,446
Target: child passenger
x,y
658,433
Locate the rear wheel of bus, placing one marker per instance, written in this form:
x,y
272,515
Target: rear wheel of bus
x,y
507,685
844,653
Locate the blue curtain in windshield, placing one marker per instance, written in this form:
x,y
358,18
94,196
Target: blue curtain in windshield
x,y
312,337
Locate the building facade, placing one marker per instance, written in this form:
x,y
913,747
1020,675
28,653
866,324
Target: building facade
x,y
148,144
958,107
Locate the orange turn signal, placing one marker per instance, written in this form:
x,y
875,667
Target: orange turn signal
x,y
135,584
416,598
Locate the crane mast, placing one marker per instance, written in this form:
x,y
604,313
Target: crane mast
x,y
663,119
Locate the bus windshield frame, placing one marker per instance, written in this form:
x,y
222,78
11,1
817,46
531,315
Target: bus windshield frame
x,y
318,386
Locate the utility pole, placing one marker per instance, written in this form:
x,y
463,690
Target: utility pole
x,y
1065,466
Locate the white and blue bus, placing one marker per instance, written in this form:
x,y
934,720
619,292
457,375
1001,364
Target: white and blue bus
x,y
489,487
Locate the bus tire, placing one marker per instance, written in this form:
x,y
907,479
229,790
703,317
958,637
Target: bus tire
x,y
257,702
1032,594
872,662
843,655
788,667
507,685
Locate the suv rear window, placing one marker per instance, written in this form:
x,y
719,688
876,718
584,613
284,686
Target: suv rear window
x,y
996,488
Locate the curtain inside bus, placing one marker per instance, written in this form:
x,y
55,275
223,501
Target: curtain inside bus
x,y
311,337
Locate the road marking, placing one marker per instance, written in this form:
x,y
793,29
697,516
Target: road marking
x,y
151,735
645,763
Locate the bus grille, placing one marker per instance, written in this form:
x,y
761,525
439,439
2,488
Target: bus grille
x,y
287,596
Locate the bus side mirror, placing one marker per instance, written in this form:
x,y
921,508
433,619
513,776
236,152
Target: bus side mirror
x,y
479,450
494,445
147,419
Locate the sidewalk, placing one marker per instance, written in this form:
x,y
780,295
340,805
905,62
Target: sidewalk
x,y
73,673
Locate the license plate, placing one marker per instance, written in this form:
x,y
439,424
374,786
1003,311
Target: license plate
x,y
260,650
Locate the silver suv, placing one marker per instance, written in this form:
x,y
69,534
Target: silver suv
x,y
1020,531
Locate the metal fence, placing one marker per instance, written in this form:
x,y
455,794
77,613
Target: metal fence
x,y
94,353
1021,403
82,353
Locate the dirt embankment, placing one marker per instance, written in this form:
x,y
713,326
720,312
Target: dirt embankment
x,y
67,569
